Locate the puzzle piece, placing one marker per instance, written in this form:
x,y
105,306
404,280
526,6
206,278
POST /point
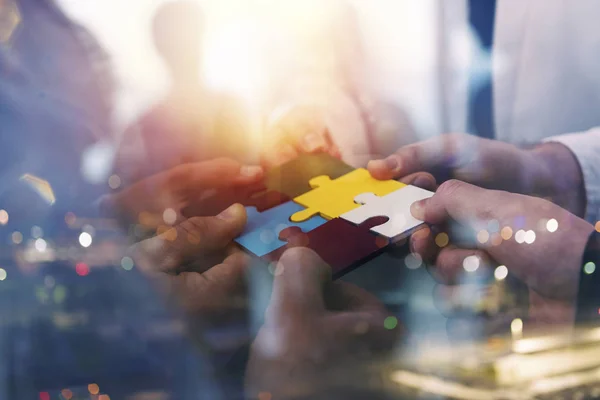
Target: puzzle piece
x,y
395,205
261,235
342,245
331,198
212,202
292,177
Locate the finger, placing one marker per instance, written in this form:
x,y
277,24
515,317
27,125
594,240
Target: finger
x,y
221,172
343,296
274,156
197,238
300,277
445,151
456,200
424,180
423,243
452,263
364,333
313,142
221,288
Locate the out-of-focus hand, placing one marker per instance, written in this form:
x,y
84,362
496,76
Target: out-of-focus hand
x,y
299,130
550,170
317,333
540,243
162,198
195,263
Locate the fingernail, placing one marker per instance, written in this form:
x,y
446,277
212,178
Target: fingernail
x,y
251,171
390,163
313,142
230,213
418,209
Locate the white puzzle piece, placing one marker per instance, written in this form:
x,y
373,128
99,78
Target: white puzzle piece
x,y
395,206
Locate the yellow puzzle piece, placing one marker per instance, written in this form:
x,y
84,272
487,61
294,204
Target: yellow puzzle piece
x,y
332,198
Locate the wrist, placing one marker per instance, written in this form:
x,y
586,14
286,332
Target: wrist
x,y
559,177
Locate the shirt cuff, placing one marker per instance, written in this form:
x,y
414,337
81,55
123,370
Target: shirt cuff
x,y
586,148
588,299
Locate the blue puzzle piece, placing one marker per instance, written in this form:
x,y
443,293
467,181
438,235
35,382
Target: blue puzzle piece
x,y
261,235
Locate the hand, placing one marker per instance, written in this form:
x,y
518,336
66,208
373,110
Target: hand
x,y
316,332
540,243
300,130
162,199
550,170
196,265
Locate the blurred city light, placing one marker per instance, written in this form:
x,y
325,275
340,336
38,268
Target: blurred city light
x,y
500,273
3,217
85,239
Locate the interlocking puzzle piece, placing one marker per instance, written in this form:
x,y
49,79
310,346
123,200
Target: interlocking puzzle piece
x,y
332,198
395,206
261,235
340,244
212,202
292,177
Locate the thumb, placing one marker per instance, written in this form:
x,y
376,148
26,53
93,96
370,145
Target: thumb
x,y
298,285
455,200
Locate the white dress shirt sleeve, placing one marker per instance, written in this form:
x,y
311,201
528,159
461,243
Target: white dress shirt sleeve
x,y
586,148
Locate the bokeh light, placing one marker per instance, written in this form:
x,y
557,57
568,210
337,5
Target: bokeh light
x,y
496,239
67,394
127,263
169,216
44,396
597,226
530,237
41,245
520,236
506,233
589,268
516,327
552,225
501,272
70,219
413,261
85,239
37,232
93,388
17,237
442,239
3,274
390,323
89,229
471,263
3,217
483,236
265,396
114,182
82,269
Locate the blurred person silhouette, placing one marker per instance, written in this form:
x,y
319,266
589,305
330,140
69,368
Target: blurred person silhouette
x,y
192,123
329,104
542,105
55,102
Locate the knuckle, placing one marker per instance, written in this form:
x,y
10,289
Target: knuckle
x,y
451,187
302,260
